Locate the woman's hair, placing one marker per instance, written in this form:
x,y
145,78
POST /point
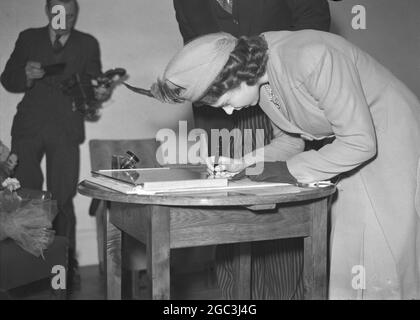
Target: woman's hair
x,y
209,66
247,63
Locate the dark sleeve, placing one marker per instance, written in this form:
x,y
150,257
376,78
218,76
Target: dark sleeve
x,y
310,14
2,232
13,77
94,65
184,26
3,226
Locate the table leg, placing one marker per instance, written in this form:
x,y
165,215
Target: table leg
x,y
158,253
315,253
242,267
113,262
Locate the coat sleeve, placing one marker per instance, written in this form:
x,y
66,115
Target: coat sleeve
x,y
335,85
310,14
282,147
94,65
184,26
13,77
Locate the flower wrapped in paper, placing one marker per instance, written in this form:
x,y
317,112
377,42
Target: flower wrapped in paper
x,y
26,217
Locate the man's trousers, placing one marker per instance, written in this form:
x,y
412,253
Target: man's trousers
x,y
62,173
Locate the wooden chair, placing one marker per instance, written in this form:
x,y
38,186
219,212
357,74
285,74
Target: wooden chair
x,y
19,268
101,154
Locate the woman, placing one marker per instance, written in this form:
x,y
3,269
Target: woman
x,y
315,85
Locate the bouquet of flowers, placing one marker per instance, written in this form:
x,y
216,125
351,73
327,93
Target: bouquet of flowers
x,y
26,219
25,216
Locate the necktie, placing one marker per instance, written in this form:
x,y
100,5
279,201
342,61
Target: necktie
x,y
226,5
57,46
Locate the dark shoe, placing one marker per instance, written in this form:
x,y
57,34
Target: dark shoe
x,y
74,280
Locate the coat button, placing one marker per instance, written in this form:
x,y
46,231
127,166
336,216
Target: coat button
x,y
235,21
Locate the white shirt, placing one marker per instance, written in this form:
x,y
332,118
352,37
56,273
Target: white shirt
x,y
63,38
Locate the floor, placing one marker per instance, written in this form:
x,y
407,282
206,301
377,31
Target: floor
x,y
192,286
92,288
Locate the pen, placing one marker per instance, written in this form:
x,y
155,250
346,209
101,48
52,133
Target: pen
x,y
205,157
216,163
318,184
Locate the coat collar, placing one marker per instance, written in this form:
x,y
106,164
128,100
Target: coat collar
x,y
279,83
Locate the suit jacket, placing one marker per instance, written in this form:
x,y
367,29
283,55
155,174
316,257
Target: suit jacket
x,y
44,104
325,86
250,17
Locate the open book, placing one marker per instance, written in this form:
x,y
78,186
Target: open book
x,y
170,181
152,180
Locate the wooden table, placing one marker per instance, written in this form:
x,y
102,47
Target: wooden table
x,y
165,222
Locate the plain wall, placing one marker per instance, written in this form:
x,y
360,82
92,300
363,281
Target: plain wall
x,y
392,35
141,35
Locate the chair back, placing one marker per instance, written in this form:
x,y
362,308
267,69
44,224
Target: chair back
x,y
29,194
101,152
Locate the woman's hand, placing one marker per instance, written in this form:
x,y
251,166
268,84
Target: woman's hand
x,y
224,164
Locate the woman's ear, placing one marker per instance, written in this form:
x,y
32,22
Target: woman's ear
x,y
263,79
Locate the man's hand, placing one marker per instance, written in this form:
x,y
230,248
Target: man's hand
x,y
4,152
33,72
12,161
104,85
102,93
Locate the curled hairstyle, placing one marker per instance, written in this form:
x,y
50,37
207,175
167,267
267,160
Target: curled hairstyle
x,y
247,63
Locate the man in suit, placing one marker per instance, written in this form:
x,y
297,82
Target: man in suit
x,y
247,18
46,122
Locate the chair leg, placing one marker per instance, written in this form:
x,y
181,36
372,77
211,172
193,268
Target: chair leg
x,y
101,216
59,294
4,295
128,284
142,285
